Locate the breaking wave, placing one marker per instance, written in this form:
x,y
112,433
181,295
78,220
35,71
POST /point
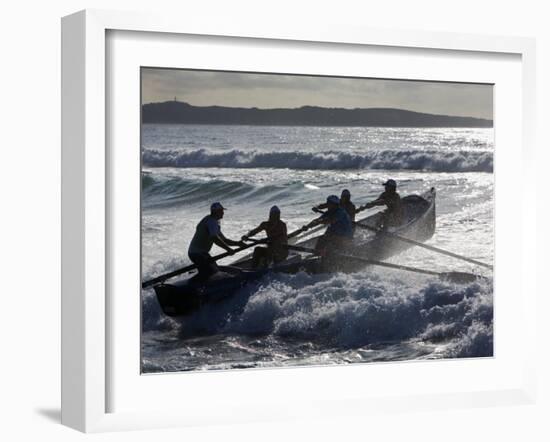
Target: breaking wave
x,y
428,160
353,311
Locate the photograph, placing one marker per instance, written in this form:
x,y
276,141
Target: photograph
x,y
305,220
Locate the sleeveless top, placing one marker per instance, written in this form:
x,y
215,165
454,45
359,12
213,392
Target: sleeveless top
x,y
207,229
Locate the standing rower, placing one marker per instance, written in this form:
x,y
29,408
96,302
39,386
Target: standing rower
x,y
208,233
276,232
339,231
393,216
345,203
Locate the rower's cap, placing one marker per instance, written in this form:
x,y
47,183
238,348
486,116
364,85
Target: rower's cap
x,y
274,209
333,199
217,206
346,192
390,183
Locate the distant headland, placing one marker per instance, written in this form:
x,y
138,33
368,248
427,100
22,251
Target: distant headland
x,y
177,112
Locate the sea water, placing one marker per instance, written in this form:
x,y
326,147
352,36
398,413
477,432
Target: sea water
x,y
372,315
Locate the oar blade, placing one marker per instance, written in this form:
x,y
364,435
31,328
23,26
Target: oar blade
x,y
459,277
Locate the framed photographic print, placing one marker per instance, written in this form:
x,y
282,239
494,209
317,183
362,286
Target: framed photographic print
x,y
289,167
250,213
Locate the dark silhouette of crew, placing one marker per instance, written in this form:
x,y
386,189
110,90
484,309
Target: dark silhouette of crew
x,y
208,233
339,232
276,250
393,216
345,203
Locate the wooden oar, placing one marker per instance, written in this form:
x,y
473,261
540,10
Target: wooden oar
x,y
306,233
266,240
416,243
458,277
296,232
318,228
322,226
426,246
190,267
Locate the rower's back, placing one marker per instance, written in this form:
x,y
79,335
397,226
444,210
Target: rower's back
x,y
203,239
394,215
340,224
350,209
275,230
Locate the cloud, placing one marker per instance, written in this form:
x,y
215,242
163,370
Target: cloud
x,y
204,88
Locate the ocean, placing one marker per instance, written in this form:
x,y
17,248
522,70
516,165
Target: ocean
x,y
288,320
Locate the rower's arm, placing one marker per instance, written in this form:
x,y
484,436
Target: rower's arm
x,y
219,241
228,241
380,201
319,207
320,220
215,233
254,231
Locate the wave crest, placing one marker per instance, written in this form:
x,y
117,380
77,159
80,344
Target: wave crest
x,y
429,160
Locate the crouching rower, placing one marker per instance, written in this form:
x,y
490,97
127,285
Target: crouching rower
x,y
339,232
345,203
276,232
393,216
208,233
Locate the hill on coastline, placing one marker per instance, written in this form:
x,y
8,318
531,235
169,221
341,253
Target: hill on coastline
x,y
177,112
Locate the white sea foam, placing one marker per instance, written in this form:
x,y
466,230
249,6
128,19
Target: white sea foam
x,y
413,159
351,311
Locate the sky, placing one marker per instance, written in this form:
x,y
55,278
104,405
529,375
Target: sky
x,y
267,91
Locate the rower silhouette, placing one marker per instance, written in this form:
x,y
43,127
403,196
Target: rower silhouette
x,y
339,232
276,250
208,233
345,203
393,216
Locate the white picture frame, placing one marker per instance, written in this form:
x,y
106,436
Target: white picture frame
x,y
87,210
